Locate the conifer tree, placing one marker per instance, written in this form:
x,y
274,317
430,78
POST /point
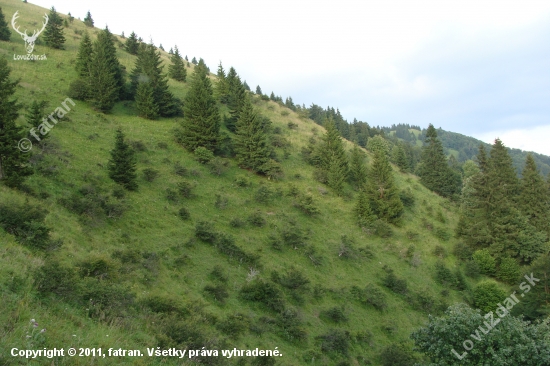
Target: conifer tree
x,y
132,44
331,154
251,141
105,40
235,99
533,199
246,87
222,88
177,69
258,90
145,101
358,169
84,56
122,164
272,97
35,113
433,170
53,34
201,117
381,190
88,20
148,68
362,211
160,47
194,61
5,33
102,86
401,159
14,166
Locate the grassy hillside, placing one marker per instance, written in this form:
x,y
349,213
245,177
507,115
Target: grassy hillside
x,y
151,282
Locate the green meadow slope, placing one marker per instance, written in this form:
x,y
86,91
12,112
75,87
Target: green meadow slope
x,y
142,278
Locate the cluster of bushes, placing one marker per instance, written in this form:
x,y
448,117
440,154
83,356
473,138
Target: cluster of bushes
x,y
447,278
26,223
370,295
391,281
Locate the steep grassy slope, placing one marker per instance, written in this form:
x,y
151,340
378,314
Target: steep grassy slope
x,y
153,256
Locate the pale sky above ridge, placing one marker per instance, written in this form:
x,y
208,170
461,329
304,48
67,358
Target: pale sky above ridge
x,y
480,68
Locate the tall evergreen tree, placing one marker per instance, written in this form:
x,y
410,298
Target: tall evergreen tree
x,y
35,113
84,56
358,169
235,99
258,90
251,145
533,199
433,170
14,166
222,88
5,33
177,69
145,101
132,44
88,21
362,211
106,41
201,117
122,164
149,68
53,34
102,86
194,61
331,154
401,159
382,191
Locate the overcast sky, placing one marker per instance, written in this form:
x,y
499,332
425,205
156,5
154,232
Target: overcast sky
x,y
480,68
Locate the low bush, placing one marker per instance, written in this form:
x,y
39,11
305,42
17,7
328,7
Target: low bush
x,y
204,230
485,261
242,181
335,315
370,295
395,284
218,166
509,270
203,155
487,295
335,341
234,325
257,219
307,204
265,293
218,292
290,326
26,223
397,355
184,214
263,195
407,197
237,222
54,278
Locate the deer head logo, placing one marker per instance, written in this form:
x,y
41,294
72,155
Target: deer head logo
x,y
29,40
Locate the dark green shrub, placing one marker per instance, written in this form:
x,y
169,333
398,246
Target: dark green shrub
x,y
204,230
370,295
487,295
273,170
78,90
407,197
395,284
293,279
509,270
162,304
263,194
219,274
462,251
335,341
291,326
54,278
184,189
236,222
150,174
257,219
292,125
382,229
101,268
218,292
226,245
138,145
364,337
218,166
485,261
472,270
443,275
184,214
162,145
397,355
265,293
335,315
171,195
221,201
279,141
440,252
203,155
307,205
234,325
242,181
442,233
293,236
180,170
105,299
26,223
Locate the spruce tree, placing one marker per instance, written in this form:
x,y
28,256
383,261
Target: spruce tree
x,y
102,86
149,68
14,165
177,69
201,117
533,199
194,61
84,56
381,190
433,170
35,114
246,87
235,98
362,211
145,101
358,169
330,153
53,34
272,97
5,33
222,88
258,90
401,159
251,145
105,40
122,164
88,21
132,44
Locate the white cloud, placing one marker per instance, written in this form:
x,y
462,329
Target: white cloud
x,y
533,139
